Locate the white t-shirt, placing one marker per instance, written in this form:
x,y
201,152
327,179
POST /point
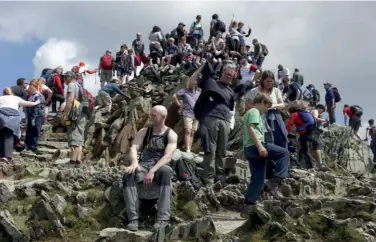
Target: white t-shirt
x,y
284,72
274,95
10,101
45,89
245,73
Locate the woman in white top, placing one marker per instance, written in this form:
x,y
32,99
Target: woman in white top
x,y
276,131
155,36
47,94
234,33
10,122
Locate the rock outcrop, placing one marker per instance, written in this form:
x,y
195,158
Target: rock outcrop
x,y
45,198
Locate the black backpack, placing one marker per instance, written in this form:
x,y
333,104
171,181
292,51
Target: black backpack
x,y
316,95
50,81
357,110
186,171
220,26
265,50
149,133
173,34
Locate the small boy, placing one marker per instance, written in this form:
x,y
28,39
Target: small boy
x,y
258,153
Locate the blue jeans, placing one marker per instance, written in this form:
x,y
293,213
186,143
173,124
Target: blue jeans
x,y
33,133
257,165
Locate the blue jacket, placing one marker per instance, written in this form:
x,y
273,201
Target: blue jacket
x,y
36,111
329,96
112,88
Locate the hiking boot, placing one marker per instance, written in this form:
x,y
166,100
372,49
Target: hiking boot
x,y
160,224
132,225
247,211
273,186
322,167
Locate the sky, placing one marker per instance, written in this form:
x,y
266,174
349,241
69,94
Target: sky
x,y
327,41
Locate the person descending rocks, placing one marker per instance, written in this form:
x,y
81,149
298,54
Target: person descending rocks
x,y
156,143
316,137
354,114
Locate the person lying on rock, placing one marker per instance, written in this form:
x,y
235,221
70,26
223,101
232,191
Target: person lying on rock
x,y
156,143
258,152
104,95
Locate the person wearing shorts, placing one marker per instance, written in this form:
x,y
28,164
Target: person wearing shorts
x,y
189,97
139,53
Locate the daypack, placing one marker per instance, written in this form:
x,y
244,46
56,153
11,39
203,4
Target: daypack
x,y
174,34
309,121
149,133
87,100
74,113
316,95
106,62
356,110
46,72
265,50
220,26
337,96
186,171
50,81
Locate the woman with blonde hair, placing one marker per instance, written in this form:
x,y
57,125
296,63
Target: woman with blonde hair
x,y
35,116
276,132
10,122
305,125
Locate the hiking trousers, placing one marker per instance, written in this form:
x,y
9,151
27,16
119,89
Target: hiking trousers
x,y
214,161
6,143
163,179
33,133
306,149
258,165
331,113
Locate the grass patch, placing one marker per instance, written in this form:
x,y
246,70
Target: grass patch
x,y
12,205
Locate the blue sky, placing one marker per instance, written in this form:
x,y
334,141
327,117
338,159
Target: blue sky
x,y
17,61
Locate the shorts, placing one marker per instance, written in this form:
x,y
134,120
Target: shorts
x,y
316,142
138,58
76,133
355,123
106,75
190,123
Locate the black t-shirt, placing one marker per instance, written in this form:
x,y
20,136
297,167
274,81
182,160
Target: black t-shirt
x,y
293,90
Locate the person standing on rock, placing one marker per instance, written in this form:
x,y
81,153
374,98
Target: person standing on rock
x,y
10,122
258,152
156,143
106,68
35,117
75,132
104,95
213,110
139,53
316,141
189,97
330,103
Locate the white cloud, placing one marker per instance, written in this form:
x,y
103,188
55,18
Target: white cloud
x,y
65,53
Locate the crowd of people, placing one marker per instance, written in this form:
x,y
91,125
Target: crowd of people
x,y
226,73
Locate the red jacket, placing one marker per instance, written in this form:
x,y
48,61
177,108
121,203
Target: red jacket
x,y
347,111
59,85
295,120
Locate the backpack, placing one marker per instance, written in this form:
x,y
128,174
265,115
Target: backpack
x,y
265,50
74,113
87,100
50,81
46,72
220,26
174,34
309,121
149,133
186,171
356,110
316,95
106,62
337,96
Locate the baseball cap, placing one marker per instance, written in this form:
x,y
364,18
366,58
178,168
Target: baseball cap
x,y
108,51
70,74
139,34
182,24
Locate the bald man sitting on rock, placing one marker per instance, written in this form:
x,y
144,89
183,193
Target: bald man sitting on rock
x,y
156,152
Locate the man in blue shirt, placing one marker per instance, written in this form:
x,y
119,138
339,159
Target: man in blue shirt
x,y
330,102
104,95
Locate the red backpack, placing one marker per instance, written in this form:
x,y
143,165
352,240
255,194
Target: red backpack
x,y
106,63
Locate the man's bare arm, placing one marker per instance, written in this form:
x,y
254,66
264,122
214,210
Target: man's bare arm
x,y
69,103
171,147
137,145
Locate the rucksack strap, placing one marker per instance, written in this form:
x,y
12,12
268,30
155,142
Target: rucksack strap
x,y
165,137
147,138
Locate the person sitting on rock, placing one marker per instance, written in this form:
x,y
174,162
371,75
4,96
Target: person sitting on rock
x,y
156,153
170,53
35,117
104,95
189,97
316,139
156,53
10,122
258,152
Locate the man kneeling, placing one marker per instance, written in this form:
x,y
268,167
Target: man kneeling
x,y
156,152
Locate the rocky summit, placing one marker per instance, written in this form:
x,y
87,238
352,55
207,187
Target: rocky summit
x,y
44,198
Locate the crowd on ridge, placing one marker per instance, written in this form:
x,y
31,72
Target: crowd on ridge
x,y
226,72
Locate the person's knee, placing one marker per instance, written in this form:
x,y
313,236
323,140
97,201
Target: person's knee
x,y
163,176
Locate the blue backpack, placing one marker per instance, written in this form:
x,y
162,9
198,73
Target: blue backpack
x,y
309,121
